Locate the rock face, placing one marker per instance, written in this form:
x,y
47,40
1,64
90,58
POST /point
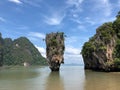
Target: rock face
x,y
55,50
102,51
1,50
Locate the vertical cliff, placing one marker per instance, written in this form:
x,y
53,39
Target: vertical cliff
x,y
55,50
98,51
1,50
102,51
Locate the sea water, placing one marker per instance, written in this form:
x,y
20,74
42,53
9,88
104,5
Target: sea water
x,y
68,78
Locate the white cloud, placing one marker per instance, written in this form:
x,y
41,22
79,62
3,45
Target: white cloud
x,y
37,35
75,15
41,50
23,27
35,3
103,6
75,4
16,1
75,39
73,59
72,55
107,20
119,2
55,19
72,50
76,20
70,40
2,19
81,27
89,20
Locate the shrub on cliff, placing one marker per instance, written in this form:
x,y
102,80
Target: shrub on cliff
x,y
102,51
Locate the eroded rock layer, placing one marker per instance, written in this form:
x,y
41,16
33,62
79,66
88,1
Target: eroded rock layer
x,y
55,50
102,51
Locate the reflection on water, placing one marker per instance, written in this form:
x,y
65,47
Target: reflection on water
x,y
69,78
54,82
102,81
18,74
73,77
20,78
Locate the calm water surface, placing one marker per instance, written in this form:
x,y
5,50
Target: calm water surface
x,y
69,78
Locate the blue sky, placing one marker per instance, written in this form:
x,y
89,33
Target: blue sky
x,y
78,19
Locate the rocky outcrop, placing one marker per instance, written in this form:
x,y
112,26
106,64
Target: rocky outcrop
x,y
1,50
101,52
55,50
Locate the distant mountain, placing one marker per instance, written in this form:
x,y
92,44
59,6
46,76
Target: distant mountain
x,y
20,51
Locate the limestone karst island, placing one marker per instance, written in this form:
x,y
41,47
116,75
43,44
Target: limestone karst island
x,y
55,50
102,51
59,44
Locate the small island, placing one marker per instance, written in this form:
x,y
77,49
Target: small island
x,y
55,50
102,51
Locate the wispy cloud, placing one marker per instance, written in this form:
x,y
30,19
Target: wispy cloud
x,y
119,2
72,55
89,20
16,1
55,19
2,19
74,39
73,59
35,3
23,27
104,6
81,27
76,20
71,39
72,50
41,50
75,4
37,35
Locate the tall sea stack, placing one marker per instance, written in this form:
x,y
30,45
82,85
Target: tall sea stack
x,y
55,50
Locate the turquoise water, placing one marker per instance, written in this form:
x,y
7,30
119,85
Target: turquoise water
x,y
69,78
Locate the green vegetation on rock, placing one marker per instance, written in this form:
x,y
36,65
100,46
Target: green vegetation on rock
x,y
102,51
55,50
18,51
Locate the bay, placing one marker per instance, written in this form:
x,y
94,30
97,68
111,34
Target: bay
x,y
69,78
